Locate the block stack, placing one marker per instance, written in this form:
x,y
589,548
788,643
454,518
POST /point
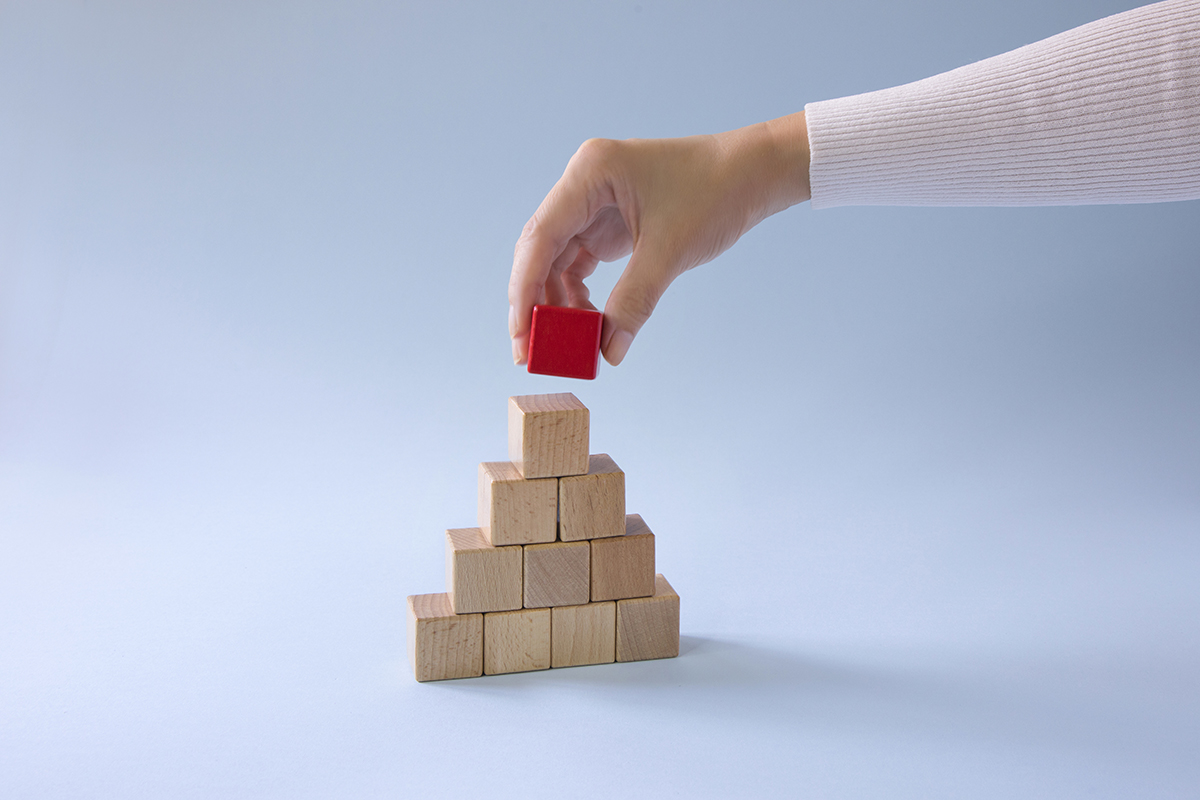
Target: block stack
x,y
556,574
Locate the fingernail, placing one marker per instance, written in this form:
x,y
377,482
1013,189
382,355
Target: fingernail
x,y
516,348
512,322
618,346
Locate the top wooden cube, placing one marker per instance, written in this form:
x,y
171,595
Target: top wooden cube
x,y
548,435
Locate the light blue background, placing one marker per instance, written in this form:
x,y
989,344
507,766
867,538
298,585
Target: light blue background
x,y
927,480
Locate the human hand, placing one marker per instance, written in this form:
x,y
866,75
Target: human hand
x,y
673,204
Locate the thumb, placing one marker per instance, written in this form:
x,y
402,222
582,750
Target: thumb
x,y
632,301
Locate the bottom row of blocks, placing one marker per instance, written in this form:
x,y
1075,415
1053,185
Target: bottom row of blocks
x,y
444,645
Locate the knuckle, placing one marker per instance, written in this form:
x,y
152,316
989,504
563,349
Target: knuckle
x,y
639,303
597,151
526,234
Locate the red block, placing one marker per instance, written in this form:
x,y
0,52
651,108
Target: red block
x,y
565,342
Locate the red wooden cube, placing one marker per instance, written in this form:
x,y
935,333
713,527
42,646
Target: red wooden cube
x,y
565,342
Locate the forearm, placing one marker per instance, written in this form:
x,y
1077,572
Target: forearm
x,y
1104,113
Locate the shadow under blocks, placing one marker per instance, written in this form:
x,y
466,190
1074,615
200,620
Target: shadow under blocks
x,y
556,574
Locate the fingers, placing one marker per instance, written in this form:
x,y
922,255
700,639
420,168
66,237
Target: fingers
x,y
569,209
555,293
576,293
532,258
564,285
632,301
562,214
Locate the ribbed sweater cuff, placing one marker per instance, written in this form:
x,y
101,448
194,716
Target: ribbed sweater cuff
x,y
1105,113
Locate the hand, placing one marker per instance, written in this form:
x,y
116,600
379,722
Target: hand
x,y
673,203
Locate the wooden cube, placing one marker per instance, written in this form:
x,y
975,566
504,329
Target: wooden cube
x,y
592,506
480,577
516,641
556,574
548,435
513,510
442,644
583,634
565,342
648,627
622,566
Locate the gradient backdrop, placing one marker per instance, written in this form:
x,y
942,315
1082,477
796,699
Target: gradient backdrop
x,y
927,480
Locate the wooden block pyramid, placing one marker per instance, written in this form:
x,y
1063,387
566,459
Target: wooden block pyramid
x,y
556,574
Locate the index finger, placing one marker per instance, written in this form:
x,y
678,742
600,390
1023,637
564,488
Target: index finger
x,y
566,211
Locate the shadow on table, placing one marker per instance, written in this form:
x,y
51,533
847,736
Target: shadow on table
x,y
753,684
723,677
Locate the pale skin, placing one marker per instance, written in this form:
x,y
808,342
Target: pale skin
x,y
669,204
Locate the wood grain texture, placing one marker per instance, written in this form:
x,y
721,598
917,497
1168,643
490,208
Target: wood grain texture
x,y
583,634
548,435
556,574
592,506
442,644
648,627
480,577
623,566
516,641
513,510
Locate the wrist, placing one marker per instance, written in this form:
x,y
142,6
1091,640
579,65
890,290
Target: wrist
x,y
775,157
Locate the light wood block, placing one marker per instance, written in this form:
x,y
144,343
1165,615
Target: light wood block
x,y
548,435
556,574
623,566
513,510
480,577
516,641
648,627
442,644
592,506
583,634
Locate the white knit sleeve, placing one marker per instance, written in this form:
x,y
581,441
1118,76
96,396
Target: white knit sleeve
x,y
1105,113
